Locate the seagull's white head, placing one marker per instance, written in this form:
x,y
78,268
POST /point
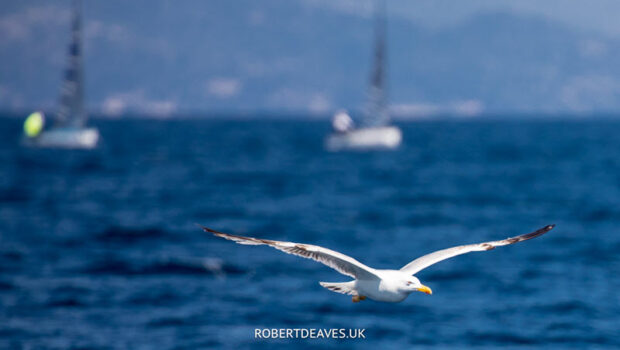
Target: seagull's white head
x,y
412,284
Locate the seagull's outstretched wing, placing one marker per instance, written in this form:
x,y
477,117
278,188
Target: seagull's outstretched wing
x,y
427,260
346,265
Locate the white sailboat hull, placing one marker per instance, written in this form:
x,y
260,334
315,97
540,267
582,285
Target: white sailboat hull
x,y
72,138
377,138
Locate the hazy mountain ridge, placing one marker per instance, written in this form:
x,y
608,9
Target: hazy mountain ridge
x,y
276,55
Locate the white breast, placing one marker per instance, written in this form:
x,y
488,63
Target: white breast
x,y
386,289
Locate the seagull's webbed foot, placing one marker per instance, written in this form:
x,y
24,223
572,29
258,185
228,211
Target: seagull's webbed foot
x,y
358,298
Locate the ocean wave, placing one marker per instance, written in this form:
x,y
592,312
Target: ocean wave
x,y
430,219
205,266
598,215
13,195
171,322
564,307
494,338
456,275
68,296
117,234
11,261
65,302
6,285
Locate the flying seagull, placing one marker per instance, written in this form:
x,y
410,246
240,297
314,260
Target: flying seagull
x,y
380,285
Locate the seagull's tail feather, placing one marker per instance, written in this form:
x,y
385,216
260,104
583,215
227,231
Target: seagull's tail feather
x,y
340,287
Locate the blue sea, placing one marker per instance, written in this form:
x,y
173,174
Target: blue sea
x,y
101,249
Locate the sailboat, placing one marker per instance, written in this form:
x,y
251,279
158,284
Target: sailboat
x,y
375,131
69,129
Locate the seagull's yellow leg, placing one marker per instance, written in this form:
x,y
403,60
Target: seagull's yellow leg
x,y
358,298
362,297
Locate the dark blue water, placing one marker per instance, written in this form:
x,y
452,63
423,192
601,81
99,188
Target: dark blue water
x,y
100,249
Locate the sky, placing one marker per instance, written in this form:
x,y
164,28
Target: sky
x,y
160,57
596,15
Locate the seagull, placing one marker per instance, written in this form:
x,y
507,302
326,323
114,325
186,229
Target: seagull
x,y
377,284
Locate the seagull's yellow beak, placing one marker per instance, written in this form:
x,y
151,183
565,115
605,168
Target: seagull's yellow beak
x,y
425,289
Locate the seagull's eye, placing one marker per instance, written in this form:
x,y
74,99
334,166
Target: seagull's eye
x,y
409,283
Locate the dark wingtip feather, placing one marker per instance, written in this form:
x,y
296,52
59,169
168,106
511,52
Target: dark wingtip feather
x,y
206,229
539,232
545,229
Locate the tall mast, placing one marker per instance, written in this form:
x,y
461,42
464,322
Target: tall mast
x,y
71,111
375,113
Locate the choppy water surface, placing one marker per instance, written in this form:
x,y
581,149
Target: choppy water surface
x,y
100,249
